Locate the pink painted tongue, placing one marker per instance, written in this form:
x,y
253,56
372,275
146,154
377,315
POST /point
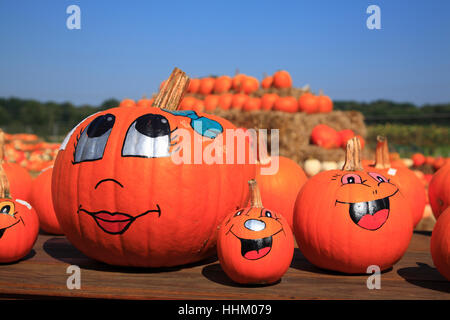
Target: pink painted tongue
x,y
256,254
373,222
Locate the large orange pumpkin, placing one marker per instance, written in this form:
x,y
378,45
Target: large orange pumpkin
x,y
279,191
440,244
255,245
286,104
222,84
41,200
325,136
19,225
347,220
439,190
307,102
120,197
282,79
407,181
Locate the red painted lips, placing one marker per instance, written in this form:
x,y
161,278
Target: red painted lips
x,y
115,222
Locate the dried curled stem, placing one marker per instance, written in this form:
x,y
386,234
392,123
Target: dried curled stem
x,y
170,95
382,154
255,195
353,155
4,183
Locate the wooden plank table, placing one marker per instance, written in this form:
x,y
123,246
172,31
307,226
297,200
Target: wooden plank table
x,y
43,274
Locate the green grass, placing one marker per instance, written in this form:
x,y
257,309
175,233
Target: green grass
x,y
406,139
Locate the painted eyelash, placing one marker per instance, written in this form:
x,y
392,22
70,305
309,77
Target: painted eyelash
x,y
75,144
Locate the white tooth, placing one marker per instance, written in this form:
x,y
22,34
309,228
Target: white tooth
x,y
373,207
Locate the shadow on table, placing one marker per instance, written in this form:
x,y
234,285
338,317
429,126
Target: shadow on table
x,y
61,249
215,273
301,263
425,276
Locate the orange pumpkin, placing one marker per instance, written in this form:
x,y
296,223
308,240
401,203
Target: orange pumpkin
x,y
19,225
282,79
418,159
440,244
325,137
407,181
308,103
344,136
127,103
279,191
194,85
206,86
266,83
286,104
239,100
268,101
144,102
252,104
41,200
237,80
211,102
249,85
255,245
347,220
222,84
225,101
127,202
324,104
439,190
189,103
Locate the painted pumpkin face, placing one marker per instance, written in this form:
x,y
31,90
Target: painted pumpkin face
x,y
19,227
121,199
255,245
357,219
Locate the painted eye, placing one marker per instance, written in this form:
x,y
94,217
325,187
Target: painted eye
x,y
378,177
238,213
5,209
148,137
92,142
351,178
268,214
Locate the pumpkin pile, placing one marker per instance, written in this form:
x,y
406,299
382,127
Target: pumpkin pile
x,y
29,151
247,93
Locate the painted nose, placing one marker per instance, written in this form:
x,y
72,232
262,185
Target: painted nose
x,y
255,225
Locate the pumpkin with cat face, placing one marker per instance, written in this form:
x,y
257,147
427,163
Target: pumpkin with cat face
x,y
122,198
347,220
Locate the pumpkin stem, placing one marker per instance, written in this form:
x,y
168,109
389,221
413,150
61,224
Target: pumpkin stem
x,y
255,195
4,183
382,154
170,95
353,155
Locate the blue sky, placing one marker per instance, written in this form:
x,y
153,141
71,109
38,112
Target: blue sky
x,y
125,48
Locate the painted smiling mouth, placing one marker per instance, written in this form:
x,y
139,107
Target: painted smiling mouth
x,y
253,249
2,230
115,222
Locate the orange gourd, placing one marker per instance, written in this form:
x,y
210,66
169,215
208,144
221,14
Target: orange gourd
x,y
144,102
286,104
440,244
347,220
211,102
128,202
41,200
279,190
268,101
267,82
249,85
222,84
325,137
418,159
194,85
407,181
282,79
19,225
206,86
239,100
225,101
439,190
252,104
324,103
127,103
308,103
255,245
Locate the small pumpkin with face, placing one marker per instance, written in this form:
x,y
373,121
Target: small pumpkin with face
x,y
255,245
346,220
19,224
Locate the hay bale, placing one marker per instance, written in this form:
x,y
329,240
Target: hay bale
x,y
295,129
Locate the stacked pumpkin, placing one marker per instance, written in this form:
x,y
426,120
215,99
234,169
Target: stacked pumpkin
x,y
244,92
